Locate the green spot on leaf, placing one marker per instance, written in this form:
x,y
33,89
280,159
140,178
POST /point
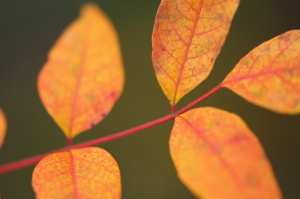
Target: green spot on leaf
x,y
258,93
75,69
91,97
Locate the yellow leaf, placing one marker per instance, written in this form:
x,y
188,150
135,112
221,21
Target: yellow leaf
x,y
82,173
217,156
83,76
187,38
269,75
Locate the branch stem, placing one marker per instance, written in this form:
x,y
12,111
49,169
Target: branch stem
x,y
187,107
35,159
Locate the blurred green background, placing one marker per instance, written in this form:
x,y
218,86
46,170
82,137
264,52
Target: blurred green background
x,y
29,28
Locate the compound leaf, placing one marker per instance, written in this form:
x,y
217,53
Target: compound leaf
x,y
269,75
81,173
217,156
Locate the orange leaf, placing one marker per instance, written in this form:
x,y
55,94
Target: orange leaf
x,y
83,76
269,76
217,156
3,126
187,38
82,173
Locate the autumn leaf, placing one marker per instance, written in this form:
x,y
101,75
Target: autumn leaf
x,y
3,126
81,173
269,76
83,76
187,38
217,156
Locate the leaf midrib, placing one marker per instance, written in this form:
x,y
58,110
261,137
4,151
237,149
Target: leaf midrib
x,y
187,50
78,84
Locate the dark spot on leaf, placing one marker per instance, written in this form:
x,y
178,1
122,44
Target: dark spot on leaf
x,y
163,49
113,94
291,72
85,155
296,104
212,60
264,158
104,115
220,17
285,37
157,68
251,180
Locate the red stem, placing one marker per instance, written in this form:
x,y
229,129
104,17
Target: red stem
x,y
69,141
32,160
123,133
26,162
212,91
29,161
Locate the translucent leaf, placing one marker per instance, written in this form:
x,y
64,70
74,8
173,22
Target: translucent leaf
x,y
82,173
269,76
187,38
83,76
217,156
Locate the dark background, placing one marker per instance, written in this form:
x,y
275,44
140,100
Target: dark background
x,y
29,28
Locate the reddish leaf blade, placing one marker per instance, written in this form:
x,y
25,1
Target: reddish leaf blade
x,y
269,76
3,126
217,156
83,76
82,173
187,38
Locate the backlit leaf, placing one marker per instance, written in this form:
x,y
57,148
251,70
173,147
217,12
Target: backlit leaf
x,y
217,156
187,38
81,173
83,76
269,76
3,127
